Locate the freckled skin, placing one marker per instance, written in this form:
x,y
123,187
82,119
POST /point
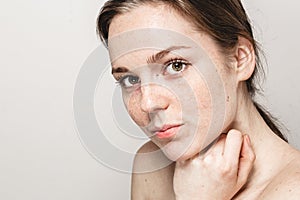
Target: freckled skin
x,y
135,101
276,172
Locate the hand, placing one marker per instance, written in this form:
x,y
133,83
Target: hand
x,y
219,173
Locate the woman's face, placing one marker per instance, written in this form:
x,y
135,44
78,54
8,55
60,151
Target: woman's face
x,y
174,81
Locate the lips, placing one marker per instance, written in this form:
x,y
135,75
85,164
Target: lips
x,y
167,131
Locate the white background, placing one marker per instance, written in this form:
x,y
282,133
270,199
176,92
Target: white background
x,y
42,47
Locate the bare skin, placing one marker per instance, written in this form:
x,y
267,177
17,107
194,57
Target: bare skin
x,y
275,175
275,172
158,185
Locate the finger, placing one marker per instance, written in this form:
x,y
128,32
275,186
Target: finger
x,y
232,148
218,147
246,160
214,149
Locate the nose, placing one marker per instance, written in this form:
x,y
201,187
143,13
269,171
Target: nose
x,y
154,98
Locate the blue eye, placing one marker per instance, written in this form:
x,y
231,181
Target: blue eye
x,y
175,67
129,81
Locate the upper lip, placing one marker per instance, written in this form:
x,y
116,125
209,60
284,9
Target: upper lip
x,y
165,127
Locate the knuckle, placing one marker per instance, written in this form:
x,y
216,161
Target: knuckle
x,y
252,157
209,159
226,170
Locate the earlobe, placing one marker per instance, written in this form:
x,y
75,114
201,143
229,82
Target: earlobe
x,y
245,57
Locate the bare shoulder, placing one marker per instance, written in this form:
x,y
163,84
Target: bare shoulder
x,y
152,177
287,184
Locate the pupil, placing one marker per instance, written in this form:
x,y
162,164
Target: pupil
x,y
133,80
177,66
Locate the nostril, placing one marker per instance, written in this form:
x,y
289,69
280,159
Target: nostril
x,y
153,104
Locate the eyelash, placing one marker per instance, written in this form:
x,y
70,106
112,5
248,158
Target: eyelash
x,y
175,60
120,80
166,64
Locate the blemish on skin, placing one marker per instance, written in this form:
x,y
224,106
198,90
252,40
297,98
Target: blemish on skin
x,y
146,180
290,190
228,99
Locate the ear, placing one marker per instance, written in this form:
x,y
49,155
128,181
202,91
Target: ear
x,y
245,59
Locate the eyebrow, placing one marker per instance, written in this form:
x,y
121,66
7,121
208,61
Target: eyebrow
x,y
119,70
163,53
152,59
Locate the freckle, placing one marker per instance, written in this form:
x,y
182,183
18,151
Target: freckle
x,y
276,189
228,98
290,190
146,180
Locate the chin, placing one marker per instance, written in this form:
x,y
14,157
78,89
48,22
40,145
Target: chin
x,y
176,158
176,152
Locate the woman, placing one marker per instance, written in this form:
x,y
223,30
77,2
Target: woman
x,y
191,91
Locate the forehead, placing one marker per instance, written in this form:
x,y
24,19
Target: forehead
x,y
161,24
150,16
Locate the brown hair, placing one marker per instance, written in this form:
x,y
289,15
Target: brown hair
x,y
225,21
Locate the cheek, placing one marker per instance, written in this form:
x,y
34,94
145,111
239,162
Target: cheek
x,y
132,103
204,128
205,112
202,94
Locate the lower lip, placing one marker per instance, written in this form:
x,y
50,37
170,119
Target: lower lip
x,y
168,133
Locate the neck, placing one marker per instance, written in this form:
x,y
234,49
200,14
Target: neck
x,y
270,150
